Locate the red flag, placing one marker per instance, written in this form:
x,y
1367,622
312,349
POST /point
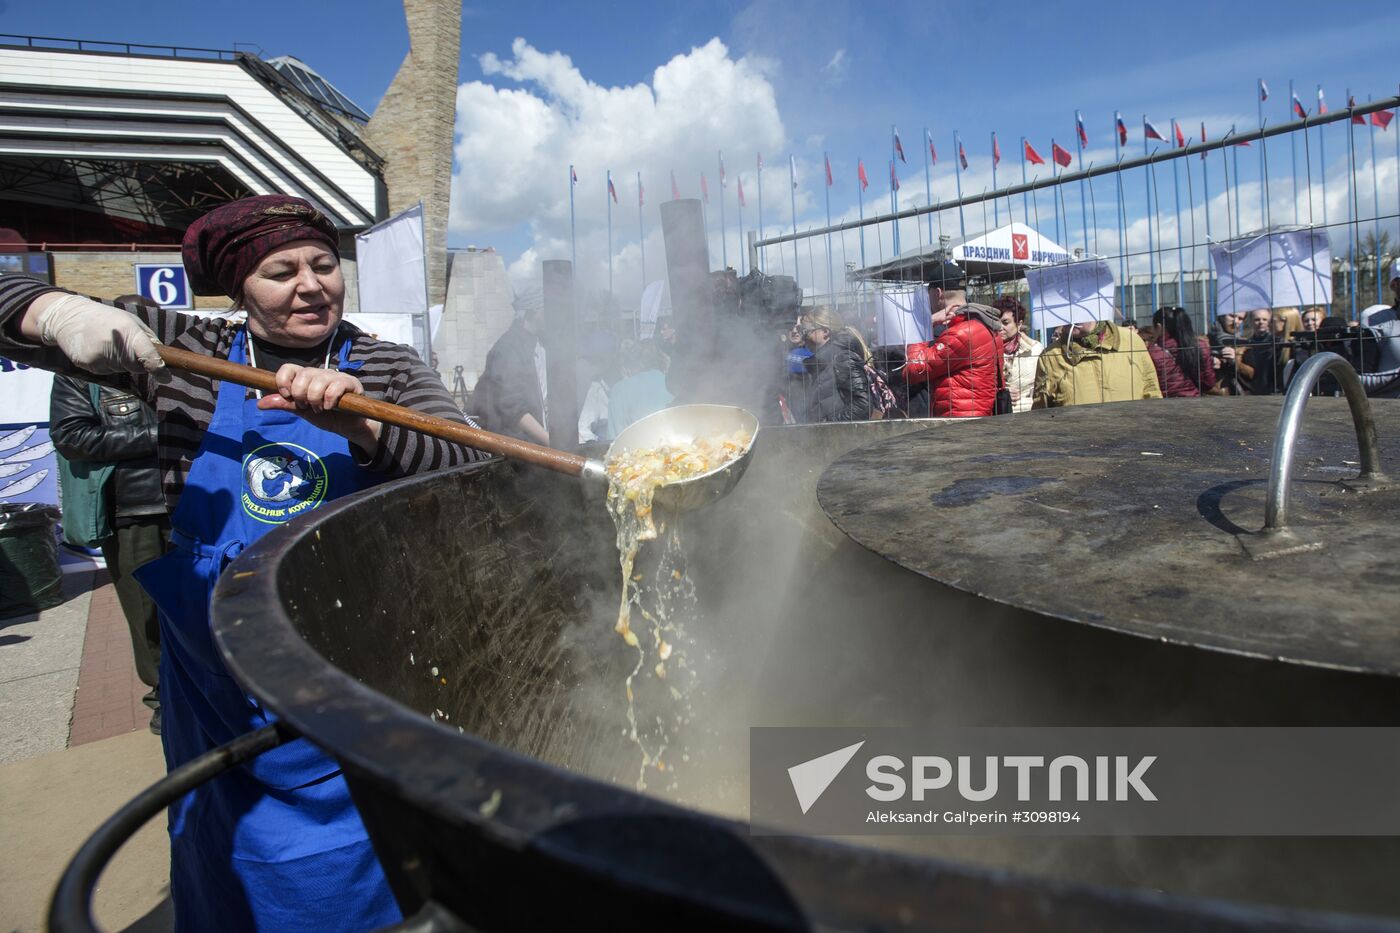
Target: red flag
x,y
742,202
860,173
1381,118
1032,156
1180,137
1242,142
996,151
827,159
1060,154
704,189
675,189
962,154
1355,117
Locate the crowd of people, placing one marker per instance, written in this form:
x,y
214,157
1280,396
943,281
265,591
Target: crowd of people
x,y
982,359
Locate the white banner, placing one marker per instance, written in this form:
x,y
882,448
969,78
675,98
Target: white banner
x,y
651,307
390,265
902,317
1285,269
1075,293
28,471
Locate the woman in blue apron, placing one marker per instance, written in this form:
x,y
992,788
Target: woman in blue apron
x,y
275,844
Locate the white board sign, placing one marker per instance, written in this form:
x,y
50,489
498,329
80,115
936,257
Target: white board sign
x,y
1283,269
902,317
1074,293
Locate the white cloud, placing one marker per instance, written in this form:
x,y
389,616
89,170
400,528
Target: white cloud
x,y
515,144
837,67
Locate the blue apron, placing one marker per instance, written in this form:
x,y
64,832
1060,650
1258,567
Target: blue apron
x,y
275,844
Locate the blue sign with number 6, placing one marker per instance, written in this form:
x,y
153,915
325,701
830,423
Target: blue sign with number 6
x,y
166,285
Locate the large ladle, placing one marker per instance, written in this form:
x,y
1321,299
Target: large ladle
x,y
682,424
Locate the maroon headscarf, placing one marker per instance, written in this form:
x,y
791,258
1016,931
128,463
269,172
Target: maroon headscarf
x,y
223,247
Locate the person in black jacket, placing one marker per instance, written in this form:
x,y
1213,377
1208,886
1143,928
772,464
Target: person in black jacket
x,y
121,430
838,388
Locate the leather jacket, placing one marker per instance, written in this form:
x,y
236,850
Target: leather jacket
x,y
122,432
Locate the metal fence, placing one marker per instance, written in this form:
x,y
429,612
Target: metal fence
x,y
1152,216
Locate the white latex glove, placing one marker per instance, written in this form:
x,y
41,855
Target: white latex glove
x,y
98,337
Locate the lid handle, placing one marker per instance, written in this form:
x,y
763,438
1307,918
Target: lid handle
x,y
1307,376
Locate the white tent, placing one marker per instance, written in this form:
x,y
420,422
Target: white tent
x,y
999,255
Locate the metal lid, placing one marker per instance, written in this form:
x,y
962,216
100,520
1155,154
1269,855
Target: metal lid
x,y
1145,518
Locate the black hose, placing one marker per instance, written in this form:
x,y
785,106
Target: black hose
x,y
71,908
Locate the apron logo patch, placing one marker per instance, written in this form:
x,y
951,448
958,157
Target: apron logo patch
x,y
280,481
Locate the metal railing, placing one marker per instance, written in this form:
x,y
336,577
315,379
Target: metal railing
x,y
116,48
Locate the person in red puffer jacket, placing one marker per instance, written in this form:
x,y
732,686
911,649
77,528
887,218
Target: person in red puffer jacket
x,y
962,364
1182,373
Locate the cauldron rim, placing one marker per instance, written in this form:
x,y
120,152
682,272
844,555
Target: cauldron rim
x,y
450,775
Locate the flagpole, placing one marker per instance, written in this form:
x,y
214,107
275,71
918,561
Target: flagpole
x,y
1259,99
792,194
608,197
1322,159
860,208
1025,208
1151,249
1120,221
762,261
573,238
723,227
641,231
1176,197
1055,191
996,207
1293,142
1376,200
894,198
738,191
1235,156
957,171
1079,148
1210,263
1351,207
830,284
928,183
704,213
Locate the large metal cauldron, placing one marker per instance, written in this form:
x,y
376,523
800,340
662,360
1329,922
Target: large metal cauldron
x,y
448,638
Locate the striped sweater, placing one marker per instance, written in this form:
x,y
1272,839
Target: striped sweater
x,y
184,403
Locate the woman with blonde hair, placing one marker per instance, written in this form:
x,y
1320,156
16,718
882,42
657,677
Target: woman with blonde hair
x,y
838,388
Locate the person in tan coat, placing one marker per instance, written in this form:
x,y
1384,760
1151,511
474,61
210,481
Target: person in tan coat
x,y
1099,362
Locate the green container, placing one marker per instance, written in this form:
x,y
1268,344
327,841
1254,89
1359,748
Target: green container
x,y
30,578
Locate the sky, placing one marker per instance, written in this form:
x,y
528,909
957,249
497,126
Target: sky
x,y
632,87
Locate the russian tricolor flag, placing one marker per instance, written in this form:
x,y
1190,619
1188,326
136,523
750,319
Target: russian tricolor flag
x,y
1263,90
932,152
611,190
1321,102
1079,127
996,151
899,147
1122,129
1298,110
1150,131
962,154
573,176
